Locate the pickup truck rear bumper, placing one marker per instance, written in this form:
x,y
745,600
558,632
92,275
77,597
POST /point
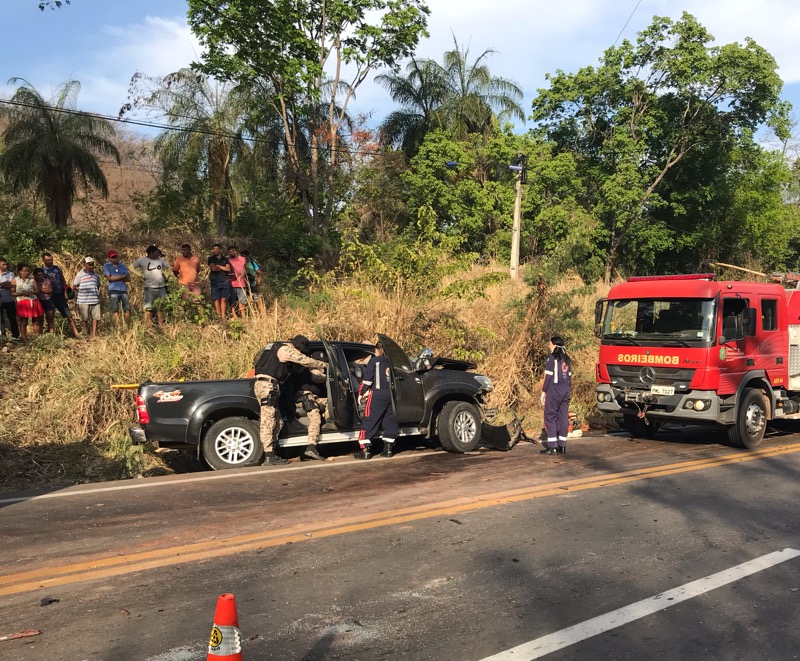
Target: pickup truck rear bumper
x,y
137,435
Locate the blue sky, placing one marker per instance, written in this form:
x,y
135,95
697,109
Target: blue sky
x,y
102,43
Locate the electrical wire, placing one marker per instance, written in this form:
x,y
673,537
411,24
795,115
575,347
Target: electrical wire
x,y
168,127
626,23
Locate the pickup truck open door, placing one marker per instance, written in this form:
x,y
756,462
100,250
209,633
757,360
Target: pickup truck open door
x,y
341,398
407,388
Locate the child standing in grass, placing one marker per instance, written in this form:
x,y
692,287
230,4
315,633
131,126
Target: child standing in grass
x,y
28,306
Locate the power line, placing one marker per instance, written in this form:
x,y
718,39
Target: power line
x,y
168,127
626,23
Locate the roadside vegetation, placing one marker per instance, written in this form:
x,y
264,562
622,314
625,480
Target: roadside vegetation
x,y
670,152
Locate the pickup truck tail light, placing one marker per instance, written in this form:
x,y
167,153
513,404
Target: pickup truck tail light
x,y
141,411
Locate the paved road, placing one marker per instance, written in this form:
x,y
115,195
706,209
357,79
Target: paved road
x,y
425,556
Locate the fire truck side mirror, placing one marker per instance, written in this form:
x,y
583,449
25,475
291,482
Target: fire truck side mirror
x,y
750,322
598,317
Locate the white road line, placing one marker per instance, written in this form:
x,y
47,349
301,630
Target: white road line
x,y
553,642
176,480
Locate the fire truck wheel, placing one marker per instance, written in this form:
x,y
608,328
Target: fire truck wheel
x,y
751,420
640,428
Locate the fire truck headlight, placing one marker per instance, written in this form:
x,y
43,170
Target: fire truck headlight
x,y
689,404
701,405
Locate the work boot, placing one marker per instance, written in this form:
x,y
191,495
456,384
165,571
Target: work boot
x,y
561,449
363,453
272,459
548,451
388,450
311,452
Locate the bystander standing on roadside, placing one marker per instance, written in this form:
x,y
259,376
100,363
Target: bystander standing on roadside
x,y
87,300
220,289
44,292
154,269
23,288
253,278
60,289
186,268
8,305
118,277
238,281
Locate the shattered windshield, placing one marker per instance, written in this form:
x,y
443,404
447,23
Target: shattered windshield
x,y
684,321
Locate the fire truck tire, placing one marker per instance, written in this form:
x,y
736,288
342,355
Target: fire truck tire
x,y
640,428
751,420
459,427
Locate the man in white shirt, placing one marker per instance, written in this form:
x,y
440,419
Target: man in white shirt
x,y
154,269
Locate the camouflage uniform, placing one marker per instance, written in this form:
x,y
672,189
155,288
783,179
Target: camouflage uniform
x,y
315,415
267,389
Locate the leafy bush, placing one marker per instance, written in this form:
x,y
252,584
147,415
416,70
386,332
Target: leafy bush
x,y
25,238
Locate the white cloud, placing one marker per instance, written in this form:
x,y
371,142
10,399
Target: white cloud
x,y
155,46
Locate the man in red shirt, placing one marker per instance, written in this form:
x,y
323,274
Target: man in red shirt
x,y
238,280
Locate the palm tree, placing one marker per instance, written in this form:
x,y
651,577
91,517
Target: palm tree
x,y
208,119
475,100
420,92
52,148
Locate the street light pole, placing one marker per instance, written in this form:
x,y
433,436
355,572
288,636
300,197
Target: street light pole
x,y
520,167
516,228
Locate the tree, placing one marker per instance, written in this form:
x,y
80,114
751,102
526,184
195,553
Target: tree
x,y
52,148
467,186
52,4
474,99
420,93
649,109
207,117
287,45
459,95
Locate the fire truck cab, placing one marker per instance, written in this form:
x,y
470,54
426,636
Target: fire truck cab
x,y
689,349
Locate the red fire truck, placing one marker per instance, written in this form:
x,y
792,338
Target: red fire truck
x,y
689,349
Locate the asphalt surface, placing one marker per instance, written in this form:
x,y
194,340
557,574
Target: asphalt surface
x,y
423,556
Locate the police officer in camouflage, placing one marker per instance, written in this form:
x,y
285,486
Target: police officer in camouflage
x,y
271,372
309,392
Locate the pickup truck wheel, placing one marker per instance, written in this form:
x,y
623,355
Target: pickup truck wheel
x,y
232,443
751,420
459,427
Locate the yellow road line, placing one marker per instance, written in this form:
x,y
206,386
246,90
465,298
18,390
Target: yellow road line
x,y
124,564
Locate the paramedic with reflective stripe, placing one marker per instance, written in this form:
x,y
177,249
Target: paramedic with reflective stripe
x,y
376,394
556,392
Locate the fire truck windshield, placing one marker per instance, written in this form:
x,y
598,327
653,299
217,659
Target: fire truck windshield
x,y
684,321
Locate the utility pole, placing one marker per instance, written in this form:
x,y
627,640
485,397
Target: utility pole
x,y
518,166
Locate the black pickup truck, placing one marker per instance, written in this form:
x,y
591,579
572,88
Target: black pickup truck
x,y
433,396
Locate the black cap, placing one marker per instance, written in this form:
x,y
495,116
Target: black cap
x,y
300,342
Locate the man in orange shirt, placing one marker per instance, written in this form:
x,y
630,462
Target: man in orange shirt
x,y
187,269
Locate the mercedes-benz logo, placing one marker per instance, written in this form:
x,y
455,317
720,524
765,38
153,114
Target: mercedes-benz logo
x,y
647,375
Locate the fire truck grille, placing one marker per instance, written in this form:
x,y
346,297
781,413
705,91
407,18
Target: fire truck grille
x,y
636,376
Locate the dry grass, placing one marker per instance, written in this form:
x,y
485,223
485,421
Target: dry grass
x,y
61,421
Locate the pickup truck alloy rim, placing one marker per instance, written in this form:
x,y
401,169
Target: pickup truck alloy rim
x,y
234,445
465,427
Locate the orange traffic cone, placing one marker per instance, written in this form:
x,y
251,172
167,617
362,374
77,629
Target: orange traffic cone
x,y
226,641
